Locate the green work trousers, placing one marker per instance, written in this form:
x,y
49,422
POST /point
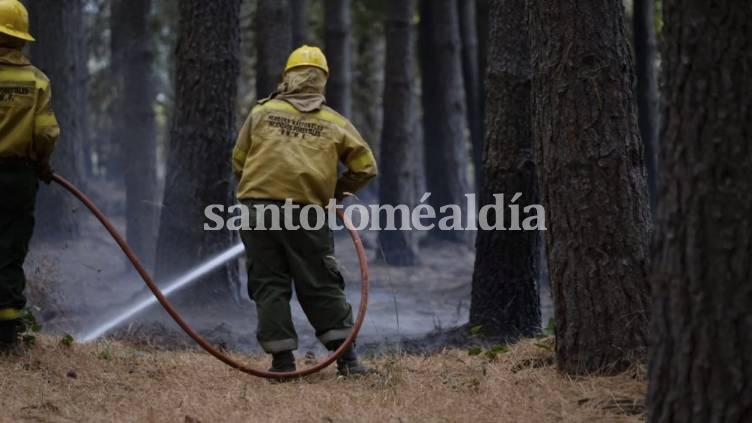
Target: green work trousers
x,y
18,190
277,261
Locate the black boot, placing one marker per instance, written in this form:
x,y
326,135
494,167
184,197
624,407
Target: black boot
x,y
283,362
348,363
9,345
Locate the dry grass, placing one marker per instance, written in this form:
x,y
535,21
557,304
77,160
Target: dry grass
x,y
116,382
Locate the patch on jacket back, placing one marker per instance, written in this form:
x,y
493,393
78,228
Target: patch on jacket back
x,y
296,128
17,94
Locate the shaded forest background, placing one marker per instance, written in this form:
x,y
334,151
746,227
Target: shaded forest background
x,y
150,96
115,69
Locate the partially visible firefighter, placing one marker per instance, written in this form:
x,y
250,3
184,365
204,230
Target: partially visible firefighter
x,y
290,148
28,133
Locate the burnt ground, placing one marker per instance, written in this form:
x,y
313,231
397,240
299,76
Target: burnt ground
x,y
76,285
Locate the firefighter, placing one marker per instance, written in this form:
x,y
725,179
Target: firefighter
x,y
28,132
289,148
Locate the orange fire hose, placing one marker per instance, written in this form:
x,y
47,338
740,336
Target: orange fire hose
x,y
198,338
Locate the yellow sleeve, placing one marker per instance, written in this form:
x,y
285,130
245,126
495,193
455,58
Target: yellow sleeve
x,y
46,128
242,146
359,160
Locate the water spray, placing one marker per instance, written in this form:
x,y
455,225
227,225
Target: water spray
x,y
181,282
203,269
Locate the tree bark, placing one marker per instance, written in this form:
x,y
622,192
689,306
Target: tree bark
x,y
444,118
273,43
338,43
472,76
700,367
505,301
133,120
592,180
368,77
647,87
299,19
201,140
397,138
482,24
59,52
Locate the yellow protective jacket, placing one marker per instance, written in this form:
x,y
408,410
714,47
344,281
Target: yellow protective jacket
x,y
283,153
28,127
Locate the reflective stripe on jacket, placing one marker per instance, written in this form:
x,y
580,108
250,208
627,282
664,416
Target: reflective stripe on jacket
x,y
28,127
284,153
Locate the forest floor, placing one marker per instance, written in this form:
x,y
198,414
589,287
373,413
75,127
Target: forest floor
x,y
77,285
116,381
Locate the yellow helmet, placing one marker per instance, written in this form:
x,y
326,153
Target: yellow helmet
x,y
307,56
14,20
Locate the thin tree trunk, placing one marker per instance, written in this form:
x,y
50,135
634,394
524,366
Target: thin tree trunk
x,y
273,43
700,367
202,136
58,28
338,43
299,20
133,120
472,76
647,87
397,161
592,179
505,301
367,113
444,118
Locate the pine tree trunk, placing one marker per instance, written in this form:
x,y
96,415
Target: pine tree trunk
x,y
368,78
299,19
133,120
482,15
592,179
701,332
338,43
444,118
647,87
201,140
472,76
273,43
398,136
58,51
505,301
